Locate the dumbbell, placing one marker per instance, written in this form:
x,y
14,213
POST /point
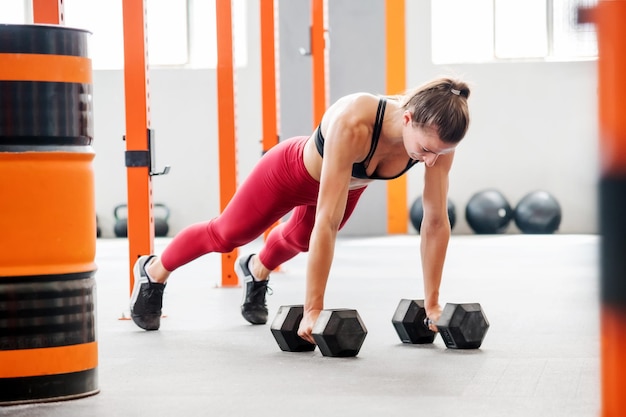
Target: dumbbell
x,y
462,326
337,332
285,329
408,321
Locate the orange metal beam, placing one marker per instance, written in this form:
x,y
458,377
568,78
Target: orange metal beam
x,y
268,75
397,206
613,360
226,123
609,17
611,67
48,12
268,79
139,182
318,55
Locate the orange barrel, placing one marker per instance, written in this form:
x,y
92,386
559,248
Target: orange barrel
x,y
48,346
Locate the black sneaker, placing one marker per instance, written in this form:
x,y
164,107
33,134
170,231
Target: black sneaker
x,y
253,308
147,297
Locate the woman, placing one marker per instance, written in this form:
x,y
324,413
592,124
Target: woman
x,y
361,138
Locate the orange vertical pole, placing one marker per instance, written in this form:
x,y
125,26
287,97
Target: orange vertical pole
x,y
268,79
612,121
397,209
139,182
48,12
609,17
318,55
226,123
268,75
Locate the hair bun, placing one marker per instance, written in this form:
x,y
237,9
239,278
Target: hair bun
x,y
459,89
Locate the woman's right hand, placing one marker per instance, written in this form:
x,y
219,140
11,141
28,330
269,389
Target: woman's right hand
x,y
305,331
432,316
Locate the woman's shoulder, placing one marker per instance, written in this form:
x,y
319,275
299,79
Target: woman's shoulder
x,y
365,103
360,98
355,106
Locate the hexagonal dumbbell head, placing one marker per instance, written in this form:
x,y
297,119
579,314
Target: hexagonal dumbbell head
x,y
285,329
463,326
339,333
408,321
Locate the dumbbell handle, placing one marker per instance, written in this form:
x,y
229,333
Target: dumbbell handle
x,y
428,322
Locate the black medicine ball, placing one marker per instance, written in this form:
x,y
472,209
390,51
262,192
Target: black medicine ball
x,y
488,212
538,212
416,213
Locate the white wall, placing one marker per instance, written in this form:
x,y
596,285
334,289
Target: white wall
x,y
533,127
183,107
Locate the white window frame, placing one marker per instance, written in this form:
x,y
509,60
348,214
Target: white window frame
x,y
195,46
458,37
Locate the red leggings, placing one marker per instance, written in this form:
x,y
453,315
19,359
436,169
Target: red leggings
x,y
278,184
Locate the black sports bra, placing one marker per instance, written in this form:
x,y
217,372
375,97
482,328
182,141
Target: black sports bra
x,y
359,169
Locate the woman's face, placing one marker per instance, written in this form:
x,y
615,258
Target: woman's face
x,y
423,143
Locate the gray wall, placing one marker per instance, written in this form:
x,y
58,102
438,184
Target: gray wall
x,y
356,62
295,70
534,123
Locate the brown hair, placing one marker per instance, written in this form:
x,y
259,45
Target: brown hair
x,y
441,104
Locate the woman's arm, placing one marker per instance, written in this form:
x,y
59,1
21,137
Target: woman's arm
x,y
435,232
347,141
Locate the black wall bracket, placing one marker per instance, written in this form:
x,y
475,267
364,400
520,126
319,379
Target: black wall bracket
x,y
145,158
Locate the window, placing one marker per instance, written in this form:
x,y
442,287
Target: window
x,y
104,21
568,37
167,30
180,32
462,31
13,12
520,29
203,35
488,30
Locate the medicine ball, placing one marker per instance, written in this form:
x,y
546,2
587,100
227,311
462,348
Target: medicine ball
x,y
538,212
416,213
488,212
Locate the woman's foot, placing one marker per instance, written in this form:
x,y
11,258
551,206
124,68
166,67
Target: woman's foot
x,y
253,307
146,299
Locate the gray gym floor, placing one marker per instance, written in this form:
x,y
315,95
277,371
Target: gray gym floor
x,y
539,358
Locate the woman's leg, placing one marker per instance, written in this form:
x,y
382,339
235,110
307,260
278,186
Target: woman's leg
x,y
288,239
292,237
269,192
